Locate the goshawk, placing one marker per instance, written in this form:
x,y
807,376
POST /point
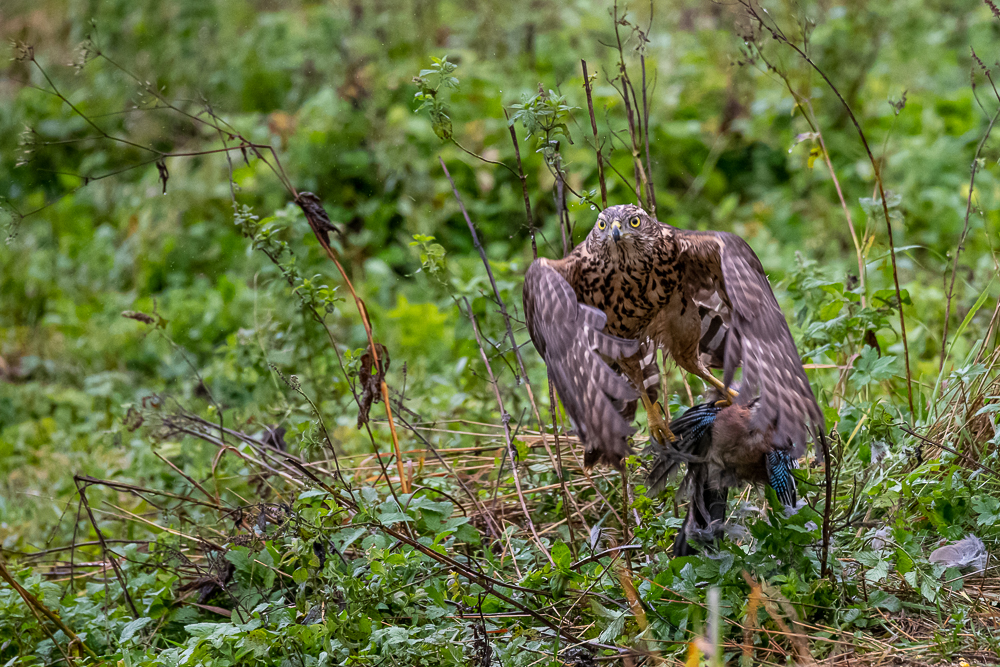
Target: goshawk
x,y
635,285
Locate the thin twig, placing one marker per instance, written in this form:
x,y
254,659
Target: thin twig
x,y
645,128
629,97
505,418
316,215
82,490
506,317
489,271
961,242
524,189
828,507
597,142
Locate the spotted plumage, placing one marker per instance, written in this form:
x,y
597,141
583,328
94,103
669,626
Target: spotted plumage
x,y
702,297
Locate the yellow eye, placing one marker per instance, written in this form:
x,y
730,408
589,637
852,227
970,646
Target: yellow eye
x,y
601,225
635,221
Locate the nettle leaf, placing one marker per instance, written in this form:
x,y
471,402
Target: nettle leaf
x,y
369,495
240,558
467,533
349,536
830,310
713,568
132,628
434,513
882,600
614,629
870,368
878,573
389,513
929,589
206,630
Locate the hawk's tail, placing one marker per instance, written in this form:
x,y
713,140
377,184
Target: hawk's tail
x,y
712,348
650,369
650,378
714,332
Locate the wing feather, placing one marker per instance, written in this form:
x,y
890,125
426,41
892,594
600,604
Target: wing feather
x,y
569,336
760,341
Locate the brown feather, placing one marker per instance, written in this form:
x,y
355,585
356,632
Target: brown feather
x,y
702,297
570,338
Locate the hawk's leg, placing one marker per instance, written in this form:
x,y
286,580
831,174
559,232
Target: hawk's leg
x,y
728,392
643,372
657,422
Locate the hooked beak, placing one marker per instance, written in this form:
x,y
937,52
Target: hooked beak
x,y
616,230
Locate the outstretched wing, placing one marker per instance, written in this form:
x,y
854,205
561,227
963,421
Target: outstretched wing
x,y
758,339
569,336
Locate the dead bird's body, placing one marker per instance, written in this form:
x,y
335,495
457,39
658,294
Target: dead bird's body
x,y
722,450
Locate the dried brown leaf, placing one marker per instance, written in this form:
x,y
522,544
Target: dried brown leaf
x,y
371,382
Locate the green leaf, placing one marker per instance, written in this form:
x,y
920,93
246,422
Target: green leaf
x,y
204,629
882,600
132,628
614,629
562,556
888,297
467,533
369,494
240,558
870,368
988,509
830,310
394,517
350,535
879,572
929,589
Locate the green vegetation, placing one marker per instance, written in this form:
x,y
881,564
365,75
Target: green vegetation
x,y
192,468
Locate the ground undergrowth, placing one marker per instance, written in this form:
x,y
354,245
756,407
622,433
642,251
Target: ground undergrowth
x,y
243,424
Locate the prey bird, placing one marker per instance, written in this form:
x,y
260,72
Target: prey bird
x,y
635,285
721,451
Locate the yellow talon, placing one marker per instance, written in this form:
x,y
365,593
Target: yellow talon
x,y
717,383
657,422
663,435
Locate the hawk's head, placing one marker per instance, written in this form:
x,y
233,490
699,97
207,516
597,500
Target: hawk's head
x,y
623,229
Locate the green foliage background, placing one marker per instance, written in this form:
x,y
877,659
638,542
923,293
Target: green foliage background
x,y
331,87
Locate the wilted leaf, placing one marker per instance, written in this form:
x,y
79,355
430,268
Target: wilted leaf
x,y
371,382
